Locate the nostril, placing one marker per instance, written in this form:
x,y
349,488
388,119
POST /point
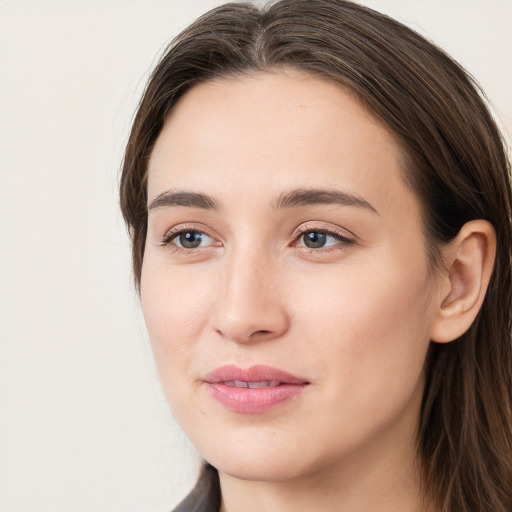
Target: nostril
x,y
260,333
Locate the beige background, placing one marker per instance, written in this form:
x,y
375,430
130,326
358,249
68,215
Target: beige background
x,y
83,424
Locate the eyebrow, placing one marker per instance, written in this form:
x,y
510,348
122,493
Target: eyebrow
x,y
294,198
306,197
190,199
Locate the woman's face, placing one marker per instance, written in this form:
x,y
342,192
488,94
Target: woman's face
x,y
285,283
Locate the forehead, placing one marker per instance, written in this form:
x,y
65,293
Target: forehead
x,y
265,133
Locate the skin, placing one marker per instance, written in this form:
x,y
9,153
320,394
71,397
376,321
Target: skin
x,y
354,318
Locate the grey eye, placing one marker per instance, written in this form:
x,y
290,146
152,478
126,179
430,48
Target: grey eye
x,y
192,239
315,239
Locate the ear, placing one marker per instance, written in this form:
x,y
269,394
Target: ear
x,y
469,261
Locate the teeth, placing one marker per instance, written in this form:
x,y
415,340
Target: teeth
x,y
236,383
263,384
259,384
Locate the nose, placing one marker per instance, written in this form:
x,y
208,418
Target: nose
x,y
250,307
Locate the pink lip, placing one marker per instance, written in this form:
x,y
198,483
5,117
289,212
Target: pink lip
x,y
282,386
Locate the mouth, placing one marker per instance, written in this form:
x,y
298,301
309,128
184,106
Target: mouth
x,y
253,390
252,385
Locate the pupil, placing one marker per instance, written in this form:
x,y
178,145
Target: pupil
x,y
314,240
190,239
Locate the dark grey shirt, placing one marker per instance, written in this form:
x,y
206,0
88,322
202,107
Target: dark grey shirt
x,y
205,496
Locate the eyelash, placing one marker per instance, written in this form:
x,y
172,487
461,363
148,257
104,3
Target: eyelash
x,y
342,240
172,234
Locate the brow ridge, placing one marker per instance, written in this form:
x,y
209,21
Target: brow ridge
x,y
306,197
293,198
178,198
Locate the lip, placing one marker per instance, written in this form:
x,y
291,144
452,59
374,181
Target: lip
x,y
275,386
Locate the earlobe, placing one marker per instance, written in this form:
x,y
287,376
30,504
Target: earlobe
x,y
469,261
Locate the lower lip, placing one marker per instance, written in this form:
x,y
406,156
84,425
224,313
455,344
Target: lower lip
x,y
253,400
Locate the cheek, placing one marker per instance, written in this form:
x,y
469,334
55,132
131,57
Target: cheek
x,y
371,328
176,310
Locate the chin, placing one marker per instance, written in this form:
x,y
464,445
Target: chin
x,y
255,452
268,470
269,462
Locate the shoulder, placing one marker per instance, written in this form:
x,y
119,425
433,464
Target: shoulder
x,y
205,496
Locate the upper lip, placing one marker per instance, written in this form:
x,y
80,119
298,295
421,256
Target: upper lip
x,y
256,373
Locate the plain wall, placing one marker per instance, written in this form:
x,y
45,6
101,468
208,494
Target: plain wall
x,y
83,423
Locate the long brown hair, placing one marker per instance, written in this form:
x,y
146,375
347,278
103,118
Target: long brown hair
x,y
455,162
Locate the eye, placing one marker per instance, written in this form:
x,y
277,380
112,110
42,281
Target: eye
x,y
317,239
321,239
188,239
192,239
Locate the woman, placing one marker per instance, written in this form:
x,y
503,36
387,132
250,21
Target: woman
x,y
319,204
